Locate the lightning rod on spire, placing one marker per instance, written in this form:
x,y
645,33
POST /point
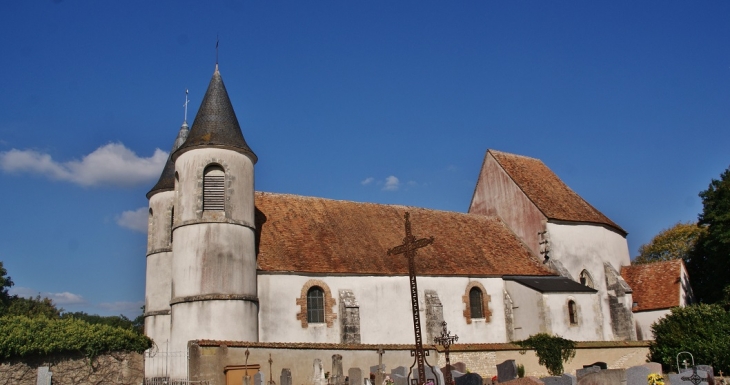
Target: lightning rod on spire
x,y
186,105
216,51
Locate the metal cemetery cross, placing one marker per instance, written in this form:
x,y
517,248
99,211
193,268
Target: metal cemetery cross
x,y
445,340
409,247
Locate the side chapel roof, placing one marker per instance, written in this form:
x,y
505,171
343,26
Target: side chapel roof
x,y
167,178
549,194
317,235
655,285
215,124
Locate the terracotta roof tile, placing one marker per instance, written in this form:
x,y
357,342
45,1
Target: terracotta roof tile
x,y
656,285
550,194
317,235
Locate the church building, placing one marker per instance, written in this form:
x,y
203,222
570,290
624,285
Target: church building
x,y
228,263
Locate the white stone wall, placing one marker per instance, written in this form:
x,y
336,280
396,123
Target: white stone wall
x,y
645,319
589,325
385,308
528,311
580,246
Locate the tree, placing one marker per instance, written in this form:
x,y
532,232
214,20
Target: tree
x,y
703,330
676,242
709,262
551,351
5,284
33,307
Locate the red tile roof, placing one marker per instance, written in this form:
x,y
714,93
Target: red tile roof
x,y
317,235
549,194
656,285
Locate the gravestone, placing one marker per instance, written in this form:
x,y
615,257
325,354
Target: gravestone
x,y
456,374
318,373
469,379
285,378
433,374
44,376
687,377
637,375
379,374
460,366
710,372
506,371
605,377
355,376
398,379
580,373
600,364
336,376
258,378
401,371
654,367
565,379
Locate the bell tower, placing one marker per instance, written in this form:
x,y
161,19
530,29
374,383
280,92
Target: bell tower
x,y
213,269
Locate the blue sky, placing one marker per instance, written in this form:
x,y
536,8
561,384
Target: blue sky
x,y
378,101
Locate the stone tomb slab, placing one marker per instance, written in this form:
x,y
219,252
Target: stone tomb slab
x,y
637,375
565,379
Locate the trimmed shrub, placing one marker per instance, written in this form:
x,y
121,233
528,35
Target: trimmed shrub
x,y
22,336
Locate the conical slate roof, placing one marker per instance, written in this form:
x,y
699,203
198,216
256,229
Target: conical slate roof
x,y
167,179
216,124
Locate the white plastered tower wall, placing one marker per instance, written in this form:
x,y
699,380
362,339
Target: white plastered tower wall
x,y
214,293
213,270
159,258
159,251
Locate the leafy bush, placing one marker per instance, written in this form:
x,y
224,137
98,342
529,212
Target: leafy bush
x,y
703,330
551,351
22,336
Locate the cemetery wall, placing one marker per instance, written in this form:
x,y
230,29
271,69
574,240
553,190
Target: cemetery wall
x,y
209,359
483,359
113,369
280,320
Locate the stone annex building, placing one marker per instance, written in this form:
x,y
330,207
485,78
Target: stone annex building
x,y
230,266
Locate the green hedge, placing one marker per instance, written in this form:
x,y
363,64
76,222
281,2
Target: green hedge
x,y
27,337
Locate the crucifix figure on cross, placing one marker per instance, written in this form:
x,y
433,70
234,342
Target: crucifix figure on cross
x,y
409,247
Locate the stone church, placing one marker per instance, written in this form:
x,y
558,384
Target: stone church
x,y
228,263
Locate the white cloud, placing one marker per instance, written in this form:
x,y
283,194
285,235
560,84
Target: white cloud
x,y
134,220
367,181
391,183
112,164
63,298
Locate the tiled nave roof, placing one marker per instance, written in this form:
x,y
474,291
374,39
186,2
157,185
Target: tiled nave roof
x,y
324,236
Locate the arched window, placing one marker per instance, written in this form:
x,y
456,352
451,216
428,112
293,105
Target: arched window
x,y
315,305
586,280
214,192
475,303
572,313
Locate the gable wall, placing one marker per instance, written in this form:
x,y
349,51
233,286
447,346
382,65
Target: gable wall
x,y
496,194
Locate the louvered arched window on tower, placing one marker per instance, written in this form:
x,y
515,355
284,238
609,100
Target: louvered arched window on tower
x,y
214,190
